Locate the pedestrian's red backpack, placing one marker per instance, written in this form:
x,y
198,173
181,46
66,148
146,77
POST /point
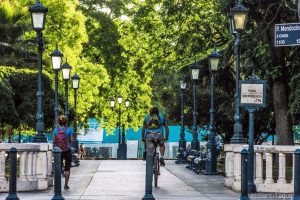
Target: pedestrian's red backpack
x,y
61,140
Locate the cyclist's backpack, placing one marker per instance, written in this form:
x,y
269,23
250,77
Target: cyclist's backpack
x,y
61,140
153,121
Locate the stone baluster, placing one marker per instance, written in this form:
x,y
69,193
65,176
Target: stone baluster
x,y
229,160
282,168
34,164
2,166
237,171
229,167
258,168
269,168
29,166
49,163
42,164
23,166
45,164
293,178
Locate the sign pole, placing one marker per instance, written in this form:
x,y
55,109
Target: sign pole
x,y
253,96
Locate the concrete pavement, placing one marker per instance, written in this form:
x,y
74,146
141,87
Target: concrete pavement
x,y
125,180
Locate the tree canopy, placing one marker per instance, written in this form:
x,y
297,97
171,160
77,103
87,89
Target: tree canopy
x,y
141,49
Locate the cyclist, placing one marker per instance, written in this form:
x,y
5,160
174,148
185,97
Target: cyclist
x,y
153,129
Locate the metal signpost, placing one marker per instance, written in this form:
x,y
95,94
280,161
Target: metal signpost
x,y
287,34
252,97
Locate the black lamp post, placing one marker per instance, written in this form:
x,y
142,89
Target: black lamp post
x,y
182,141
122,148
66,71
211,161
75,85
123,142
120,99
38,17
56,58
238,16
195,71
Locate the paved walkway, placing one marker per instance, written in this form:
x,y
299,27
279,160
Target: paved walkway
x,y
125,180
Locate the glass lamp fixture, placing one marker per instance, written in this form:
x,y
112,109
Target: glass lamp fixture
x,y
127,103
38,15
66,70
239,14
120,99
213,60
112,103
182,85
195,71
75,81
56,58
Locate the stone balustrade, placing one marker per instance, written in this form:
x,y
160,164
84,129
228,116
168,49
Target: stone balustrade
x,y
34,166
270,167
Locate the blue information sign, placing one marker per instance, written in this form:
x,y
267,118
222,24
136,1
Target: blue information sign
x,y
287,34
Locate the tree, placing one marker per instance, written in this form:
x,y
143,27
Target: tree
x,y
13,51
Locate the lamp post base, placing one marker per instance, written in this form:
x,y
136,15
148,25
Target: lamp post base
x,y
251,187
58,197
195,145
12,197
148,197
237,138
182,144
39,139
122,152
244,197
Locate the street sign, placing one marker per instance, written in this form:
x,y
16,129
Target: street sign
x,y
253,93
287,34
298,9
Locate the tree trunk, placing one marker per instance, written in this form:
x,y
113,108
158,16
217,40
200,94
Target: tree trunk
x,y
283,125
280,93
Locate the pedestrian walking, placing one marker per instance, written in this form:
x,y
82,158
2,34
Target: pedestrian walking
x,y
82,152
63,138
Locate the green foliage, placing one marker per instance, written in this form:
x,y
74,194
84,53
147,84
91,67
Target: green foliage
x,y
8,112
141,50
22,103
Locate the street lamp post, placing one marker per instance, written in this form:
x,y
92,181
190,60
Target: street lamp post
x,y
182,141
75,85
56,58
195,71
211,161
122,148
120,99
123,142
238,17
66,71
38,17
